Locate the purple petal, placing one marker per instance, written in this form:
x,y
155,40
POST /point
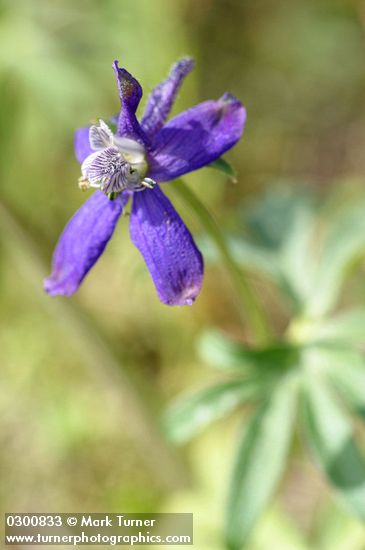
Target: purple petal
x,y
196,138
82,144
82,242
130,93
175,263
163,96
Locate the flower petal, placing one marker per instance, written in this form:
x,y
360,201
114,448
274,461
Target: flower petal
x,y
162,98
196,138
174,262
100,165
82,242
82,144
130,93
100,136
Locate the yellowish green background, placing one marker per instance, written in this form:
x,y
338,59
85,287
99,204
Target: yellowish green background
x,y
85,380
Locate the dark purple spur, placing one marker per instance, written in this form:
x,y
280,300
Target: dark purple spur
x,y
131,164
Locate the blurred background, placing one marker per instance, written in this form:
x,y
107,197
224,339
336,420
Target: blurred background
x,y
84,380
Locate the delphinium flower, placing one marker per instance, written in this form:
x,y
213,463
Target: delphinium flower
x,y
131,164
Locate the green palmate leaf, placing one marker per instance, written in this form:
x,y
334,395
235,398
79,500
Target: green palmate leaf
x,y
330,437
221,352
224,166
344,243
190,414
260,462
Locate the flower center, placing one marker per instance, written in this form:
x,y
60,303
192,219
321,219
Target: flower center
x,y
117,163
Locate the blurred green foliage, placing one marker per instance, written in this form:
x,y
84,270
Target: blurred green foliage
x,y
84,381
316,358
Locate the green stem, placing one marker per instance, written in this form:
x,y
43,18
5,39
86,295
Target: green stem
x,y
250,308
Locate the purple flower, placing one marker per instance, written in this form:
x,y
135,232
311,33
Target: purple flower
x,y
131,164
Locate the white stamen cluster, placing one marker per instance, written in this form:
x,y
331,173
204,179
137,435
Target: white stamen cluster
x,y
117,163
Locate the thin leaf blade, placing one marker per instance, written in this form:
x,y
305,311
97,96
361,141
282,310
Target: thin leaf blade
x,y
260,463
191,414
345,242
345,370
330,437
220,351
224,166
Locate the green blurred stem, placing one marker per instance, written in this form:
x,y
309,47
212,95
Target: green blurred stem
x,y
250,308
